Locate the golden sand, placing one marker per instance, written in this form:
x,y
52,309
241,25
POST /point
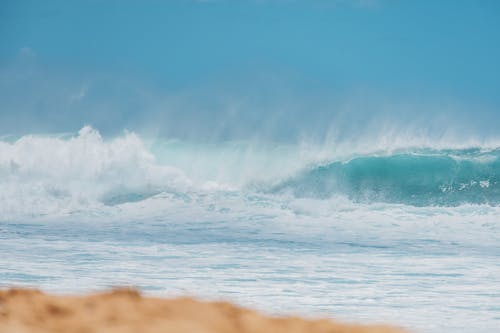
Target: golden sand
x,y
120,311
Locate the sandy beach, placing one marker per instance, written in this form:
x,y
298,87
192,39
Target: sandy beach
x,y
125,310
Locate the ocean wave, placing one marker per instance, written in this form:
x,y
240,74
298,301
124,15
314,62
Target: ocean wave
x,y
422,178
51,175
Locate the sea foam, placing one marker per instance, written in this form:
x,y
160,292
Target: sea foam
x,y
43,175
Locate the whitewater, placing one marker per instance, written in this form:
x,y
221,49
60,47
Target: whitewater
x,y
403,231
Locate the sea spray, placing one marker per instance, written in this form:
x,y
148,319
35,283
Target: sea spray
x,y
43,175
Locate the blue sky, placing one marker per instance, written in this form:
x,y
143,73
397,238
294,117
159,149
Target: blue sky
x,y
234,67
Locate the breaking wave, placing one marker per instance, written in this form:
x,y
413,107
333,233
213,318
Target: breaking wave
x,y
44,175
421,178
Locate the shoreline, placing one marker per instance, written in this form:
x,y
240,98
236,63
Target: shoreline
x,y
126,310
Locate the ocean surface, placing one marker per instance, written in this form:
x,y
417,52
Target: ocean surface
x,y
404,232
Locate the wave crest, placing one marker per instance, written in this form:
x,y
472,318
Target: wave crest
x,y
54,175
445,177
43,175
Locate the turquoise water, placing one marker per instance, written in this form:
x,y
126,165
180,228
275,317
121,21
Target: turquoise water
x,y
420,178
408,235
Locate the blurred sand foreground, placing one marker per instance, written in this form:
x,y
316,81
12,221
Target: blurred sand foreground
x,y
125,310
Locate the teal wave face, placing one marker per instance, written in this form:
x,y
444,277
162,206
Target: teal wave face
x,y
442,178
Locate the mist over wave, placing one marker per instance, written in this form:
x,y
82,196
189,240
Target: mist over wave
x,y
59,174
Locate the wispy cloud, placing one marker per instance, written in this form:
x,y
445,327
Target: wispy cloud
x,y
79,94
27,52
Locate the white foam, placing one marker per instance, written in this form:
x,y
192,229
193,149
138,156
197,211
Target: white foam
x,y
54,175
45,175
